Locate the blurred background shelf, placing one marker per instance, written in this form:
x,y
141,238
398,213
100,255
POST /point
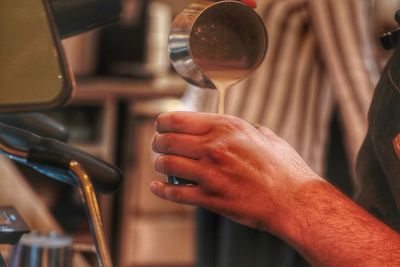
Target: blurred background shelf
x,y
125,89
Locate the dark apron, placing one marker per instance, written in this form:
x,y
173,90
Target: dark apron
x,y
378,164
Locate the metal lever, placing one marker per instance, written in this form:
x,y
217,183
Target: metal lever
x,y
37,123
48,161
106,178
91,204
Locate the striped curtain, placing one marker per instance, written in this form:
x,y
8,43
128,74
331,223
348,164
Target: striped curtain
x,y
320,58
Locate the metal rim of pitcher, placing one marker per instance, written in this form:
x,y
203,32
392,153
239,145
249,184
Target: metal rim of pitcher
x,y
201,80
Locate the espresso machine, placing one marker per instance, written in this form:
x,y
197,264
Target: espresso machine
x,y
34,76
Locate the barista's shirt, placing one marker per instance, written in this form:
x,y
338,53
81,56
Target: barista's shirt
x,y
378,164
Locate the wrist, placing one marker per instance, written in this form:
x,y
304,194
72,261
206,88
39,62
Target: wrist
x,y
292,215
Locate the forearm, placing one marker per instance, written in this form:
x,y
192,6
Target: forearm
x,y
329,229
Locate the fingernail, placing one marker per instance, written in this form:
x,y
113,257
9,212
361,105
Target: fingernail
x,y
156,124
153,143
155,163
153,187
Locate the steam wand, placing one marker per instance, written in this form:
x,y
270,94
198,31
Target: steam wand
x,y
54,165
92,209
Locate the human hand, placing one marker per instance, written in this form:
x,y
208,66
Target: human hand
x,y
251,3
249,175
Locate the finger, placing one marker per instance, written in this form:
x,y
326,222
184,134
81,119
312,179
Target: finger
x,y
190,195
194,123
250,3
178,144
186,168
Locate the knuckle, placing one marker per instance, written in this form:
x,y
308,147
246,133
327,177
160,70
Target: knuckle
x,y
236,122
216,150
231,123
179,118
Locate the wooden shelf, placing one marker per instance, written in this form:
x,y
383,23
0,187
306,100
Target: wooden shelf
x,y
127,89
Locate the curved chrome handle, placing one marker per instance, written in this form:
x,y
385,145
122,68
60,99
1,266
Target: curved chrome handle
x,y
54,161
46,155
93,211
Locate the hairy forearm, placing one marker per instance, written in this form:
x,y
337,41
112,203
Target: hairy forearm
x,y
329,229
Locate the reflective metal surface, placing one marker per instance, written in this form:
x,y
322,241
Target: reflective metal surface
x,y
42,250
93,213
76,16
227,37
33,70
82,180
